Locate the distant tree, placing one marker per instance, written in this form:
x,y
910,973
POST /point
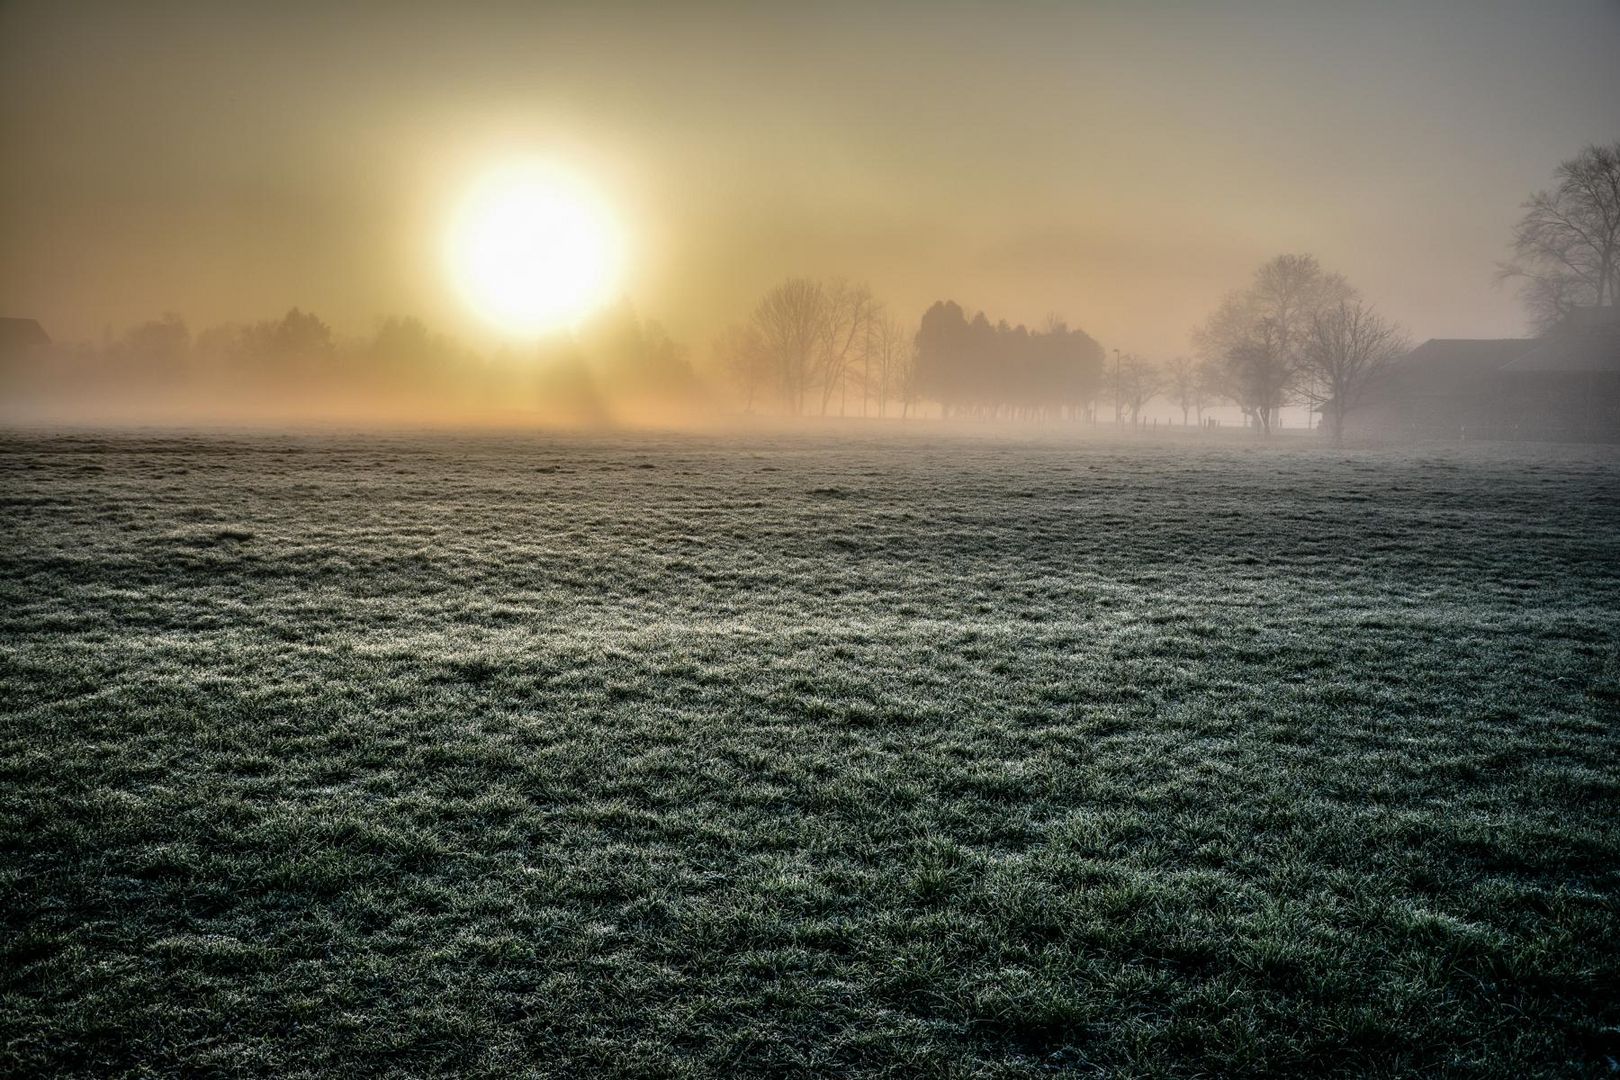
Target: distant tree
x,y
564,386
791,322
972,367
943,355
1208,380
403,351
1116,387
907,387
1259,374
634,357
1348,348
658,362
1256,334
1549,297
402,340
1068,366
1137,381
1567,245
298,342
887,362
848,314
741,355
1181,379
220,343
158,347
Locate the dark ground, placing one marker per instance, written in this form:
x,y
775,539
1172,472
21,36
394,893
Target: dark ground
x,y
806,755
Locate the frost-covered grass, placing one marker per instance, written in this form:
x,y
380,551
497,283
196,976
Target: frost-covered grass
x,y
832,754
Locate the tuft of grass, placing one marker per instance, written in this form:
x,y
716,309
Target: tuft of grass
x,y
211,537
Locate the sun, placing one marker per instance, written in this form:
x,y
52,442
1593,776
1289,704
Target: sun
x,y
533,250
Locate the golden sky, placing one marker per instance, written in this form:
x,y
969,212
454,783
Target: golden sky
x,y
1122,164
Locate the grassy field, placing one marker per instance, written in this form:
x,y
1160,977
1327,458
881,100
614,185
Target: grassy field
x,y
807,755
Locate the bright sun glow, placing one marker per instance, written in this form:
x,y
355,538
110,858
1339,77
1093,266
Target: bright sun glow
x,y
533,251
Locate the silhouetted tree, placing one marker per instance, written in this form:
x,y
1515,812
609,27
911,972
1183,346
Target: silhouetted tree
x,y
1348,348
1069,367
296,333
907,388
1255,335
404,353
886,362
848,312
1136,382
740,354
942,354
1567,245
972,367
809,340
1181,379
297,343
1209,387
622,360
635,357
160,347
791,321
1260,373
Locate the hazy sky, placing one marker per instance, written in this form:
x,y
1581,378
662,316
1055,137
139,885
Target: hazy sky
x,y
1122,164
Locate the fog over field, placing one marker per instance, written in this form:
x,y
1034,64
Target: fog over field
x,y
743,540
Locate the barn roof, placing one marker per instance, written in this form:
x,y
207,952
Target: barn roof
x,y
1446,362
1587,342
22,333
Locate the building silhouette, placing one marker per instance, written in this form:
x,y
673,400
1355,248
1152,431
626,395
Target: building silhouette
x,y
1563,386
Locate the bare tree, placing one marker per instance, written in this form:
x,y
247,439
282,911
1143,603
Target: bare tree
x,y
1259,374
1349,347
890,351
1113,381
791,322
907,386
1181,379
1256,334
740,353
1207,387
1136,382
1567,245
847,315
811,333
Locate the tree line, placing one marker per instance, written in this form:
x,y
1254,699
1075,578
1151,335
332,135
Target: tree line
x,y
1295,334
812,347
619,361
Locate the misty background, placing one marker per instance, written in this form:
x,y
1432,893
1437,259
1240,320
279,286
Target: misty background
x,y
1122,166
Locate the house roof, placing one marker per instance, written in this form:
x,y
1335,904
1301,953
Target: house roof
x,y
22,333
1444,362
1590,343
